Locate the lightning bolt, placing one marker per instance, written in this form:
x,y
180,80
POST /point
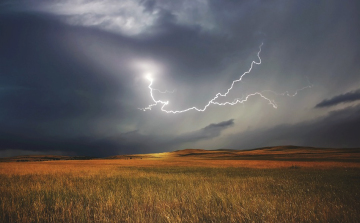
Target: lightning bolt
x,y
286,93
213,100
164,92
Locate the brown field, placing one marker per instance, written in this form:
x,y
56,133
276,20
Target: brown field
x,y
279,184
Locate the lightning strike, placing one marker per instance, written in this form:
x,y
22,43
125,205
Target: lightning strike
x,y
286,93
149,77
213,100
164,92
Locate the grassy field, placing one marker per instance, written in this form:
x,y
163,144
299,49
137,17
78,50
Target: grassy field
x,y
179,191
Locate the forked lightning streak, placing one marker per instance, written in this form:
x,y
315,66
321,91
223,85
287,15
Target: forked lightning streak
x,y
213,100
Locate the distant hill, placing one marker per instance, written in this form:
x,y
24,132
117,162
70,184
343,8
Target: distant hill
x,y
34,158
284,153
281,153
293,153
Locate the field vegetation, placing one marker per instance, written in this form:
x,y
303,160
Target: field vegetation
x,y
179,190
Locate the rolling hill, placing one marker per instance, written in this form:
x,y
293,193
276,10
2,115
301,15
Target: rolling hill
x,y
280,153
34,158
284,153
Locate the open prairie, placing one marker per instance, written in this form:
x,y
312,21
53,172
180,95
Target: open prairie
x,y
278,184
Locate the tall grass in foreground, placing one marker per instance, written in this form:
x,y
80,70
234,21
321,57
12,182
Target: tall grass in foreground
x,y
182,194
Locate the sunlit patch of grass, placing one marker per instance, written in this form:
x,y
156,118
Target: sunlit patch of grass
x,y
49,192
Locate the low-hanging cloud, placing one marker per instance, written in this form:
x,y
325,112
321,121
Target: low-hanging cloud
x,y
339,128
126,143
338,99
68,83
210,131
136,142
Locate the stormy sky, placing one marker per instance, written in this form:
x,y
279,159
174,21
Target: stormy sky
x,y
74,73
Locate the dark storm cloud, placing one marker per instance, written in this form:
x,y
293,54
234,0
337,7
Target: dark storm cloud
x,y
67,83
57,85
210,131
125,143
48,88
31,143
46,82
338,99
136,142
337,129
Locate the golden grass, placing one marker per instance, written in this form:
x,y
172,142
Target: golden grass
x,y
179,190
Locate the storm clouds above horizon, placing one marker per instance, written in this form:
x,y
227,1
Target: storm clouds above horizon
x,y
72,75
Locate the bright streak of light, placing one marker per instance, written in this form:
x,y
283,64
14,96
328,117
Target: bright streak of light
x,y
164,92
149,77
286,93
213,100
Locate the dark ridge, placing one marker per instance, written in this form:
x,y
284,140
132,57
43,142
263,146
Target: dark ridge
x,y
224,150
288,152
37,158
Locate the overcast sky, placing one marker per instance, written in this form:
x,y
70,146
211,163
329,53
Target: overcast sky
x,y
76,74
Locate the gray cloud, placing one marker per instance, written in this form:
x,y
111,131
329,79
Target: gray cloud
x,y
136,142
131,142
127,17
72,72
337,129
338,99
210,131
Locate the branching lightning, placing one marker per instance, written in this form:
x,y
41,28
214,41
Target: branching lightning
x,y
164,92
154,89
286,93
213,100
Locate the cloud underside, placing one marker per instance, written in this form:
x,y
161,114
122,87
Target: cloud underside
x,y
342,98
339,128
131,142
72,74
128,17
